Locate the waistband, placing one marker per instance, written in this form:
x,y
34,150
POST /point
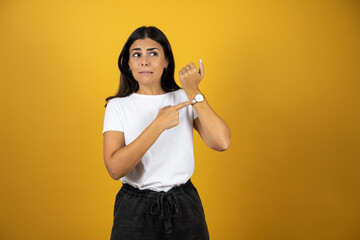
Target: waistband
x,y
147,193
163,204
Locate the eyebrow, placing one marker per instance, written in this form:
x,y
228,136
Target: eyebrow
x,y
149,49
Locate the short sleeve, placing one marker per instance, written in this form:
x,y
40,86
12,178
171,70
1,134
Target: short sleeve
x,y
194,114
112,119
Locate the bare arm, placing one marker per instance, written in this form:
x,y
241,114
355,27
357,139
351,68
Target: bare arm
x,y
120,159
212,129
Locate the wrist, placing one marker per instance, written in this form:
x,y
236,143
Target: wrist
x,y
156,126
191,93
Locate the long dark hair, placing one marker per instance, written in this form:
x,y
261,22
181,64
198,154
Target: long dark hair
x,y
128,84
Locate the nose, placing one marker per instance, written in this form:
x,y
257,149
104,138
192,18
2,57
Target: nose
x,y
145,61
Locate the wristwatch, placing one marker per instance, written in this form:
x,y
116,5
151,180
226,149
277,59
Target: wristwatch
x,y
198,98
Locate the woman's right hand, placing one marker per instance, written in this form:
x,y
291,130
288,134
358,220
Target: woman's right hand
x,y
168,116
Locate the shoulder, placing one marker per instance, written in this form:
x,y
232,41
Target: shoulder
x,y
117,101
113,102
114,105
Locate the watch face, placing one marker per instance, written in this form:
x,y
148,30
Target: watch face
x,y
199,97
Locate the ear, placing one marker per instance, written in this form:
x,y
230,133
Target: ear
x,y
166,63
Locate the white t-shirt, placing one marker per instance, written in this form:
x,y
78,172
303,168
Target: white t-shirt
x,y
170,160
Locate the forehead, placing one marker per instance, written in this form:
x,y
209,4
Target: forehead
x,y
145,44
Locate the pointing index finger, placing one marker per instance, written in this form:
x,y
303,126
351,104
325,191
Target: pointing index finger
x,y
181,105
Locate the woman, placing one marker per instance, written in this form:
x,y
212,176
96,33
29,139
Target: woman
x,y
148,142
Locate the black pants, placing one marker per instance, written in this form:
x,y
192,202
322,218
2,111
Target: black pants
x,y
150,215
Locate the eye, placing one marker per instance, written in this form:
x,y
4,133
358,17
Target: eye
x,y
136,55
154,54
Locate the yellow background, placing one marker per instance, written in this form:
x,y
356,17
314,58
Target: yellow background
x,y
284,75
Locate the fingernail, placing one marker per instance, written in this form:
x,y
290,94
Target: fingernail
x,y
200,60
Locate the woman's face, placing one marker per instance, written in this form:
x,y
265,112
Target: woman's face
x,y
147,61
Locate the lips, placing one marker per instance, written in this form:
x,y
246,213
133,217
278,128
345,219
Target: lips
x,y
145,72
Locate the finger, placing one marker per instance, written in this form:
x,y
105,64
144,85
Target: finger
x,y
181,105
192,65
201,68
166,107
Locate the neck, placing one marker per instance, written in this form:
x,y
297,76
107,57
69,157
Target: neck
x,y
147,90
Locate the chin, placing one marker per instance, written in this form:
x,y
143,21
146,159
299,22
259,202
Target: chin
x,y
145,80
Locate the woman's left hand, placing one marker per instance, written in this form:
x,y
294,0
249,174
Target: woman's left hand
x,y
190,77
